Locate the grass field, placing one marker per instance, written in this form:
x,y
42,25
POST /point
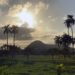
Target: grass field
x,y
36,65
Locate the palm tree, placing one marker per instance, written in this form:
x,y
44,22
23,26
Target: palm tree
x,y
66,42
58,40
14,31
67,25
6,31
69,22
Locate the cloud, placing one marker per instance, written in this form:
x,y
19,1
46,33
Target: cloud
x,y
64,18
24,33
4,20
37,7
28,5
52,19
2,2
15,9
40,7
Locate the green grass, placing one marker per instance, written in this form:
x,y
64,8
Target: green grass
x,y
37,65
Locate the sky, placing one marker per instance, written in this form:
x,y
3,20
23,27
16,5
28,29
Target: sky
x,y
37,19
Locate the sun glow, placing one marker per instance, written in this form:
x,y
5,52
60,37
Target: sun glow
x,y
26,17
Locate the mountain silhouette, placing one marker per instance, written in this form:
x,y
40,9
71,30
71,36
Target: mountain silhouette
x,y
38,47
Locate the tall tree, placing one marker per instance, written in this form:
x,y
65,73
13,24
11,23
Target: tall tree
x,y
6,31
69,22
14,31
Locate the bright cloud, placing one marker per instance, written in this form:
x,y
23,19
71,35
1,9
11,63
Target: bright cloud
x,y
15,9
40,7
36,9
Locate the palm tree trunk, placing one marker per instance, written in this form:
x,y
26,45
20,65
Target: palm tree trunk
x,y
14,39
7,41
68,30
72,31
72,42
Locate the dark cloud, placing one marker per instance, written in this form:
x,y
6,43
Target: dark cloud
x,y
15,2
24,33
12,2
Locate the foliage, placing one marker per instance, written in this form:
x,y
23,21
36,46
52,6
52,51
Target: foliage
x,y
65,40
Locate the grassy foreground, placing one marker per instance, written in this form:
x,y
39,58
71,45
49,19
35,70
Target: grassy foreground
x,y
36,65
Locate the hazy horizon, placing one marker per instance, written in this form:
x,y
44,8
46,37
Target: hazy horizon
x,y
23,43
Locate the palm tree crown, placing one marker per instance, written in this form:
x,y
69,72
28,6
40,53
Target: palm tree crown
x,y
14,29
58,40
6,29
66,40
69,22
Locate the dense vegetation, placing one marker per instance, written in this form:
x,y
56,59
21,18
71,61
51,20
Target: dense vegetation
x,y
36,65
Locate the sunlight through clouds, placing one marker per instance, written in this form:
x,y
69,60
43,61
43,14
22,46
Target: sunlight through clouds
x,y
17,11
44,16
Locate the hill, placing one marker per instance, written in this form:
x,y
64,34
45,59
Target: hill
x,y
38,47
